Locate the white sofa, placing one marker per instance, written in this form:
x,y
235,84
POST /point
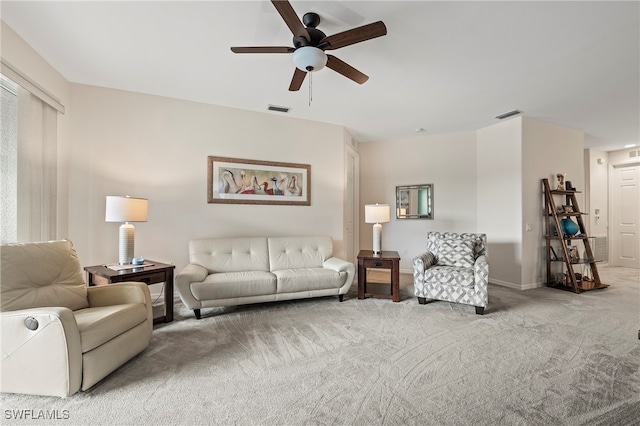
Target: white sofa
x,y
237,271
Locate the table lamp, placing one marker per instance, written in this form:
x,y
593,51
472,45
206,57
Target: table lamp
x,y
376,214
126,209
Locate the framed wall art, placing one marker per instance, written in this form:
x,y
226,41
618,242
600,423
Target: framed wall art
x,y
239,181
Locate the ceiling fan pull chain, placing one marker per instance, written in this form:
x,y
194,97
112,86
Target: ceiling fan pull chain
x,y
310,88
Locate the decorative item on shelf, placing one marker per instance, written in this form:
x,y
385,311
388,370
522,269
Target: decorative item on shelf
x,y
126,209
561,185
569,227
376,214
573,254
567,209
568,186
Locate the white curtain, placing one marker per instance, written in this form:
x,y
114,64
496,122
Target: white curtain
x,y
36,169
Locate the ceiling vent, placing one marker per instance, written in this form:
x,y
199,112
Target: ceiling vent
x,y
508,114
279,108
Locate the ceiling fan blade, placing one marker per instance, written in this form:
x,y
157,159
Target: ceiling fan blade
x,y
263,49
345,69
296,81
355,35
292,20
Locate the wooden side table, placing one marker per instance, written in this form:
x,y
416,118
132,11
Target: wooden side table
x,y
385,260
150,273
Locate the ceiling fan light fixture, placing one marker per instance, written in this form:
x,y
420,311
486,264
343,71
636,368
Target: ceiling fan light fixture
x,y
309,58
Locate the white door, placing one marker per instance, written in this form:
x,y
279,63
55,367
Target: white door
x,y
351,205
625,215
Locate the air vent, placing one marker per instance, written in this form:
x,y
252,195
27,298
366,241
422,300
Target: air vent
x,y
279,108
508,114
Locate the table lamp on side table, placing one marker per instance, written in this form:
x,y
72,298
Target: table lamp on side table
x,y
126,209
376,214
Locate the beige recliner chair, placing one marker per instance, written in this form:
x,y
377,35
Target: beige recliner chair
x,y
58,336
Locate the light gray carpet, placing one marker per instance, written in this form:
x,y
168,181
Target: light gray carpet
x,y
540,357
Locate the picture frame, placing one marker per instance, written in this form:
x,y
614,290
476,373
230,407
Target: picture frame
x,y
554,256
244,181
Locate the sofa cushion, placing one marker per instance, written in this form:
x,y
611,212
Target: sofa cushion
x,y
308,279
41,274
228,285
230,254
458,253
100,324
299,252
450,275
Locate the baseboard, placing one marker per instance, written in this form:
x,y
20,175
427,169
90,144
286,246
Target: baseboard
x,y
515,286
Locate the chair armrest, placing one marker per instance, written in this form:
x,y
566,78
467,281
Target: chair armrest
x,y
423,261
43,361
340,265
191,273
120,294
481,271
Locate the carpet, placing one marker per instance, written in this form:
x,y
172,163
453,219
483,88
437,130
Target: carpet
x,y
538,357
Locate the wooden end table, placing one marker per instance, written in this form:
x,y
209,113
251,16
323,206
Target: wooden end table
x,y
385,260
150,272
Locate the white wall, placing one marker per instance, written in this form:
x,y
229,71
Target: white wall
x,y
596,192
499,186
147,146
447,161
546,150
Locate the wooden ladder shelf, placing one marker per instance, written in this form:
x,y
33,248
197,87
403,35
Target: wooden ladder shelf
x,y
553,217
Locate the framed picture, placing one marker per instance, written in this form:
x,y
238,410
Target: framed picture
x,y
554,256
567,209
239,181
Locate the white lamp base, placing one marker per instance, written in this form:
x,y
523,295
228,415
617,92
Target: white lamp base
x,y
125,253
377,237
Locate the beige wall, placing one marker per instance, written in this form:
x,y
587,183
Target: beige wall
x,y
447,161
499,186
596,192
147,146
546,150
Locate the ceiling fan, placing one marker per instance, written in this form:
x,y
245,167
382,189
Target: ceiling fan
x,y
310,44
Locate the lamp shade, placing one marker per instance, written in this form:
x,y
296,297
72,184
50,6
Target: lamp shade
x,y
376,213
309,58
126,209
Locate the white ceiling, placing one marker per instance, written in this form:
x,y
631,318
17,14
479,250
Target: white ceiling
x,y
443,66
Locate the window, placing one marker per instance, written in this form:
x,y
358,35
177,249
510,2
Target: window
x,y
29,162
9,161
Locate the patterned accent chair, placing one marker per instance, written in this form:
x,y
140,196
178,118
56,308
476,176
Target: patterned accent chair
x,y
454,268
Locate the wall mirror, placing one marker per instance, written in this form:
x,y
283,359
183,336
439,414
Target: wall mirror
x,y
414,201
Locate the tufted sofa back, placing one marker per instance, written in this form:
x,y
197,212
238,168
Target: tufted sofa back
x,y
230,254
299,252
34,275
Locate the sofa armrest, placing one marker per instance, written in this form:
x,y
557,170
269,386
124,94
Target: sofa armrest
x,y
423,261
120,294
191,273
44,361
340,265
